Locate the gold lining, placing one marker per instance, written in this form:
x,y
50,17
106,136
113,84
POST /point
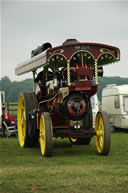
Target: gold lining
x,y
102,50
105,53
57,54
82,51
54,52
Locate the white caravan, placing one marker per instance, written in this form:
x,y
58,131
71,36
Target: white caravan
x,y
115,103
95,107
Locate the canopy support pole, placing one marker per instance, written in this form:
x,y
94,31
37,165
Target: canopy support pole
x,y
68,73
96,72
34,88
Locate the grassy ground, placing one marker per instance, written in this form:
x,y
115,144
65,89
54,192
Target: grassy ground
x,y
71,169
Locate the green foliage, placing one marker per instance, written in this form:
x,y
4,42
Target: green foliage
x,y
5,83
13,88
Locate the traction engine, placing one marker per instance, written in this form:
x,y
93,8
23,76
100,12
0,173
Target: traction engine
x,y
59,105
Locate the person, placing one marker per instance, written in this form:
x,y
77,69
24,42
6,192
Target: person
x,y
8,122
8,118
41,76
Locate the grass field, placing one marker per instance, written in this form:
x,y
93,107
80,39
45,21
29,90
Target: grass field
x,y
71,169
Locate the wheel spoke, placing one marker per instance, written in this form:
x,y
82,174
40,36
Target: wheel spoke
x,y
99,133
22,108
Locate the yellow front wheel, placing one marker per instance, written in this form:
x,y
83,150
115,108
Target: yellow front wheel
x,y
46,134
102,130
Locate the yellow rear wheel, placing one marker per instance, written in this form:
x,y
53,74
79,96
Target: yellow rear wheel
x,y
102,129
45,134
21,115
27,133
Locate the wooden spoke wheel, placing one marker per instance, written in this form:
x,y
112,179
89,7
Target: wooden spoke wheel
x,y
103,136
46,134
26,103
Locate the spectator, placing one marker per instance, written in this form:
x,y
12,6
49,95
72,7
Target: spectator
x,y
8,118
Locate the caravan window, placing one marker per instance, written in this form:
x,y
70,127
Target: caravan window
x,y
125,103
117,101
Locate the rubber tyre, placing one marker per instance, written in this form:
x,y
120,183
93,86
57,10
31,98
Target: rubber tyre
x,y
103,134
33,132
46,134
26,103
88,119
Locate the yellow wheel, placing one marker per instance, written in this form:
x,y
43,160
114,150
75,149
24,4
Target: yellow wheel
x,y
26,103
73,140
80,141
102,129
46,134
21,116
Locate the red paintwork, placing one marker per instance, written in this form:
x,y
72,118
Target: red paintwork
x,y
94,49
81,81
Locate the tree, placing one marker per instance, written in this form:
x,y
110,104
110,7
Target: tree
x,y
17,87
5,83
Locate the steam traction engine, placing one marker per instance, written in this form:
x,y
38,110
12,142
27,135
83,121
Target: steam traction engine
x,y
60,106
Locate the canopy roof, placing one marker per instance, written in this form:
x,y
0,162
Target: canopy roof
x,y
70,50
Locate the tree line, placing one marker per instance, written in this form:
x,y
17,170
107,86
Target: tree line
x,y
13,88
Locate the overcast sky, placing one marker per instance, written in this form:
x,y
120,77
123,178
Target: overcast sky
x,y
27,24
